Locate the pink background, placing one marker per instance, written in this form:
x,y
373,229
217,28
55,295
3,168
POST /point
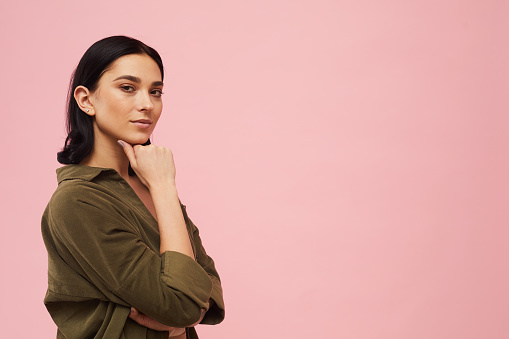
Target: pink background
x,y
346,161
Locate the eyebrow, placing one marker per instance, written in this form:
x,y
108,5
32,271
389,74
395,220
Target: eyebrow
x,y
137,80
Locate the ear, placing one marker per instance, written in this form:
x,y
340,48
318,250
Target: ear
x,y
82,97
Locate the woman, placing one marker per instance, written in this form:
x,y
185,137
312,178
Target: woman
x,y
124,259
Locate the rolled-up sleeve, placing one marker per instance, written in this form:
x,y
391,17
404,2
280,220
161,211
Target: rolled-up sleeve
x,y
216,312
107,249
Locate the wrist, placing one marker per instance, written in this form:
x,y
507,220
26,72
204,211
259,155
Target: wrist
x,y
164,194
166,186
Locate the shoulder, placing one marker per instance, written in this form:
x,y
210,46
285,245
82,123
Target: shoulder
x,y
79,201
79,184
75,192
81,210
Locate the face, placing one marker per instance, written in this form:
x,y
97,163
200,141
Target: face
x,y
127,101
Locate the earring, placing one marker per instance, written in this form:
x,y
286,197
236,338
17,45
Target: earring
x,y
88,110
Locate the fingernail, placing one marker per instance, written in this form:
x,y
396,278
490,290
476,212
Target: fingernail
x,y
132,310
120,143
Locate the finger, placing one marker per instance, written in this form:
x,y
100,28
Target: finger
x,y
129,152
140,318
134,313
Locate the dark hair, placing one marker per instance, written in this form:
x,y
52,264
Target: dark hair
x,y
96,60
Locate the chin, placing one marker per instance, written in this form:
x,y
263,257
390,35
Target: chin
x,y
145,142
138,140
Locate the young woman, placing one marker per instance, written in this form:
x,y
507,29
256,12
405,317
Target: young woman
x,y
124,259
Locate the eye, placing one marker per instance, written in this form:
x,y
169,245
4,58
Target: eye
x,y
127,88
157,92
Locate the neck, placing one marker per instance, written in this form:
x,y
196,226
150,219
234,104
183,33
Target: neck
x,y
108,154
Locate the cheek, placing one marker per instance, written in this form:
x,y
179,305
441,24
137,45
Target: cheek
x,y
157,112
117,109
119,104
113,115
112,104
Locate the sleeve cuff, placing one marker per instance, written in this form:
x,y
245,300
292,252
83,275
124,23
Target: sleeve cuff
x,y
184,274
216,312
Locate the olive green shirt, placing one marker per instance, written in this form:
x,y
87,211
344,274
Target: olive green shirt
x,y
103,259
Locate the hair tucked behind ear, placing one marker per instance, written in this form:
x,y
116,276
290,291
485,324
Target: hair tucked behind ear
x,y
96,60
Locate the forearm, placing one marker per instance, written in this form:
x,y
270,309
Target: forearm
x,y
172,226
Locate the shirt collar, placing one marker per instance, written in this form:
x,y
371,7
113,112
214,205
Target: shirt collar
x,y
87,173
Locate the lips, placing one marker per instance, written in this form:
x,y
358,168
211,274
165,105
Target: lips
x,y
142,123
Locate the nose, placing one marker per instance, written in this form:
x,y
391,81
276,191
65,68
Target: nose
x,y
145,102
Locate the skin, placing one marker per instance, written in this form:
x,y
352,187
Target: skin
x,y
130,90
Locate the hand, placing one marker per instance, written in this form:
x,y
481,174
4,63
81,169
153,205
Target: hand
x,y
145,320
152,164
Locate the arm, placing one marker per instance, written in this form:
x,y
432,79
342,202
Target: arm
x,y
155,168
146,321
215,314
216,311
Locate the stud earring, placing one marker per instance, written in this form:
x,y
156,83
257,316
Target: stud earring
x,y
88,110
